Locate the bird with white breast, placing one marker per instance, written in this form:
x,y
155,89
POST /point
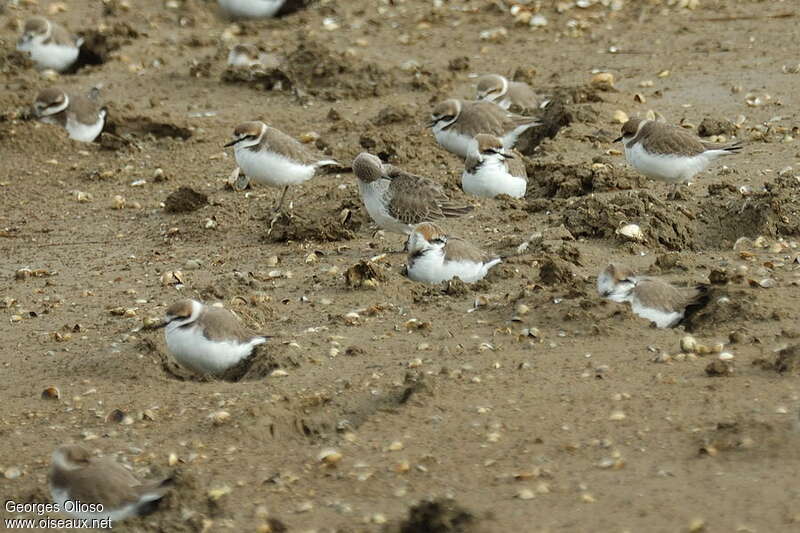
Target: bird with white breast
x,y
83,119
269,156
669,153
207,340
396,200
99,488
651,298
250,9
456,122
498,89
491,169
49,44
433,256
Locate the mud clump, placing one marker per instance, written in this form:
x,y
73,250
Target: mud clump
x,y
267,79
265,359
740,436
437,516
660,223
718,368
144,127
391,115
788,360
458,64
773,212
555,116
320,228
559,180
331,75
455,287
715,126
185,200
15,62
364,275
99,44
555,271
722,309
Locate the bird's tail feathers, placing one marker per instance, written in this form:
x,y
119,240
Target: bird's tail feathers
x,y
455,211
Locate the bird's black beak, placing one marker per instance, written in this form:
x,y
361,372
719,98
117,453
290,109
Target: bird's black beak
x,y
233,142
507,156
618,139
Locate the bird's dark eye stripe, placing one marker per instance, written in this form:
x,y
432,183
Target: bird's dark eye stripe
x,y
437,240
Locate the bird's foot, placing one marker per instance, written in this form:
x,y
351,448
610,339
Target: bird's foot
x,y
679,192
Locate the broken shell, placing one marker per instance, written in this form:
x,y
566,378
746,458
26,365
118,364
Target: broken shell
x,y
697,525
172,277
116,416
702,349
688,344
620,116
118,202
329,456
603,81
216,494
525,494
726,356
278,373
220,417
51,393
538,21
494,34
395,446
309,137
12,473
631,232
402,467
717,348
172,460
617,415
639,98
150,322
81,196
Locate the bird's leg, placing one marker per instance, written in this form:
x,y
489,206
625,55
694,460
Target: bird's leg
x,y
276,211
677,191
280,201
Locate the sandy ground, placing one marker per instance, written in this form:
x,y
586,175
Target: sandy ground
x,y
544,409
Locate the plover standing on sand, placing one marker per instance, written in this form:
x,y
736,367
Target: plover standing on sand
x,y
397,200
